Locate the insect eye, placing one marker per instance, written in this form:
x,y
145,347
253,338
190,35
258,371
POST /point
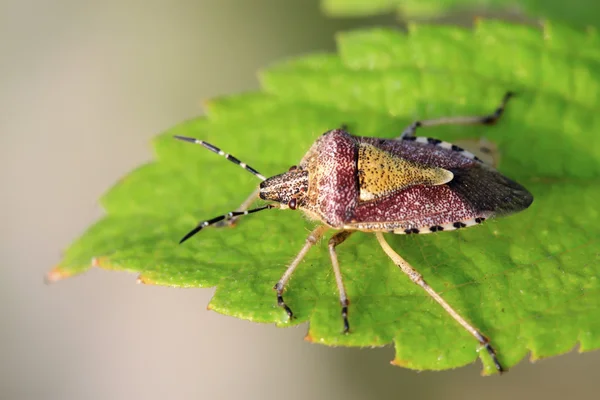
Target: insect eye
x,y
292,204
293,168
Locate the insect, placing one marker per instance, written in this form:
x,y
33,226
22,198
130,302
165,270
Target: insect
x,y
407,185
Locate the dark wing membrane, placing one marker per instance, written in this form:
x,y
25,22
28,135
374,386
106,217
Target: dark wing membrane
x,y
486,190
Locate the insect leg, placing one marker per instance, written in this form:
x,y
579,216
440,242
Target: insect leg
x,y
336,239
312,238
465,120
418,279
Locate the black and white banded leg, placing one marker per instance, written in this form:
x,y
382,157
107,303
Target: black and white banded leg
x,y
418,279
311,240
335,240
464,120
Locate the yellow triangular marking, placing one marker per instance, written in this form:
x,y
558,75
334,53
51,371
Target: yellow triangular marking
x,y
381,173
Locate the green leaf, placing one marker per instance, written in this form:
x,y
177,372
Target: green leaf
x,y
529,281
576,12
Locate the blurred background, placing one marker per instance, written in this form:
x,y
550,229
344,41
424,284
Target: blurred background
x,y
83,88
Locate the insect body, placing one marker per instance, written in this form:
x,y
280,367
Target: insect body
x,y
407,185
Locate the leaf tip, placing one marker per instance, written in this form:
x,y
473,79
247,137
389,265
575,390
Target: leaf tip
x,y
56,274
144,280
309,338
396,362
60,272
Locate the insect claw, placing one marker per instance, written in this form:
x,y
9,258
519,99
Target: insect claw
x,y
345,317
508,95
499,367
346,327
495,360
289,312
282,304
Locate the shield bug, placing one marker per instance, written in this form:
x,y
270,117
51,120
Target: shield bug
x,y
407,185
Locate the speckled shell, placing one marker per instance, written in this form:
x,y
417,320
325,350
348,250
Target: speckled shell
x,y
461,191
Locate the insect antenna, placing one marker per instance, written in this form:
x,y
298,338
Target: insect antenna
x,y
222,153
229,215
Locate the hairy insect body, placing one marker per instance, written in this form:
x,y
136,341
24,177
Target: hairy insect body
x,y
412,185
405,185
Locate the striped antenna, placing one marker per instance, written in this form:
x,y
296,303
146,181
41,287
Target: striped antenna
x,y
222,153
227,216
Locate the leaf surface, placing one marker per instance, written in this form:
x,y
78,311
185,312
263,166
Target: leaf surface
x,y
529,281
575,12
